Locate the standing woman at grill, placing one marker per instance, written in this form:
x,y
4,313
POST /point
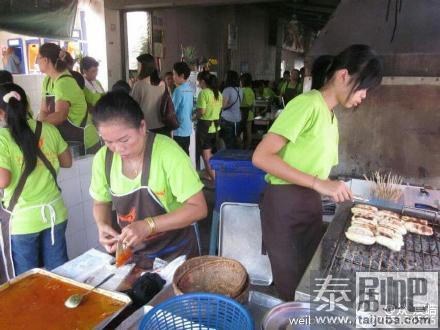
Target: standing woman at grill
x,y
150,182
33,215
298,154
63,103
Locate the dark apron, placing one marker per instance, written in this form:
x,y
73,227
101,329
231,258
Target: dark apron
x,y
7,271
142,203
69,131
291,222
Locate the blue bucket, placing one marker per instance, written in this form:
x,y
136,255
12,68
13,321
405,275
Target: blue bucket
x,y
198,311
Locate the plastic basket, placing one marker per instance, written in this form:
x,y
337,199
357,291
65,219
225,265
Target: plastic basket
x,y
198,311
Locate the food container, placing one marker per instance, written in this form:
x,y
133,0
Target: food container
x,y
41,308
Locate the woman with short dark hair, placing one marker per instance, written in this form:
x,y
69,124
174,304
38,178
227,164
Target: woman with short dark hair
x,y
231,116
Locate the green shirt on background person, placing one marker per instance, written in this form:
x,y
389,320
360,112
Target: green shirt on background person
x,y
248,101
312,134
206,100
40,188
66,89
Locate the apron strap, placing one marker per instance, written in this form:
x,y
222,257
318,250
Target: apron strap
x,y
108,164
147,159
20,186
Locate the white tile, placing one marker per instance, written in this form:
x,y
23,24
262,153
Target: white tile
x,y
85,185
85,164
76,219
68,173
71,192
92,237
76,244
89,221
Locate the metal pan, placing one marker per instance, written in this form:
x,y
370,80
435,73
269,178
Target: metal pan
x,y
114,295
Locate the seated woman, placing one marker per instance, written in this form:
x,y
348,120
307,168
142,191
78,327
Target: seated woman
x,y
33,215
150,182
64,104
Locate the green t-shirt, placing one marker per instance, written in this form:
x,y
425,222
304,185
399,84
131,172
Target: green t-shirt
x,y
212,106
268,93
173,179
67,89
283,86
40,188
91,97
312,134
248,101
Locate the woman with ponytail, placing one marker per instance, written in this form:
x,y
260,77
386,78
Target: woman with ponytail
x,y
209,105
148,92
33,214
298,153
63,103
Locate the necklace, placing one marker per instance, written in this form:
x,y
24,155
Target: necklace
x,y
135,166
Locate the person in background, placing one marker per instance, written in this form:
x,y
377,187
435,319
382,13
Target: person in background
x,y
268,92
93,89
284,83
183,100
292,89
302,75
231,115
148,91
63,103
169,82
75,74
33,213
209,106
11,62
247,109
121,85
298,154
148,180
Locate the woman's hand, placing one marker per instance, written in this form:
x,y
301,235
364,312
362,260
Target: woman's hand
x,y
108,237
337,190
135,233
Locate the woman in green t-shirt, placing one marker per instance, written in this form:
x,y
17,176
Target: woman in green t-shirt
x,y
63,103
148,180
298,154
209,105
247,108
33,214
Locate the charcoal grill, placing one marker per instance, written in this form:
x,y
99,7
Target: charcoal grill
x,y
340,257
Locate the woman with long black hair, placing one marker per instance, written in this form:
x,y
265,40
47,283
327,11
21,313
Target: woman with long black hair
x,y
298,154
33,214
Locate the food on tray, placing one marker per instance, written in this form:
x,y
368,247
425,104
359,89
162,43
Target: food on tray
x,y
360,235
416,220
366,207
363,212
393,224
389,214
390,242
417,228
37,302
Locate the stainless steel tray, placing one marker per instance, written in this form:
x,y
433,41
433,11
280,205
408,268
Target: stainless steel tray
x,y
259,304
240,239
123,298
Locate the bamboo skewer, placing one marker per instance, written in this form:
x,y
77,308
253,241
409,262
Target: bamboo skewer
x,y
385,186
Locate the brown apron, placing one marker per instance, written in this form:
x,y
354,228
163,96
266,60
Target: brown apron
x,y
142,203
6,264
291,222
69,131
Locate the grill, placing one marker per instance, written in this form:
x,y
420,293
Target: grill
x,y
419,253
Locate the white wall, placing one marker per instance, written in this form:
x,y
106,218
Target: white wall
x,y
113,44
32,84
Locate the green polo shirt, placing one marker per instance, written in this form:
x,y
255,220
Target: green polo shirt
x,y
212,106
312,134
67,89
173,179
40,187
248,101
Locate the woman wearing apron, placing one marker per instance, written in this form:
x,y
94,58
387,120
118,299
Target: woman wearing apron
x,y
150,182
64,104
298,154
33,215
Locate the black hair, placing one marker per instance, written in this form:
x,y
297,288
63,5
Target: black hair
x,y
211,82
5,77
117,106
122,86
232,79
55,54
246,79
87,63
148,68
286,72
168,73
361,62
69,60
182,68
16,119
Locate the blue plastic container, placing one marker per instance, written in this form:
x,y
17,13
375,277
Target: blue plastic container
x,y
237,180
198,311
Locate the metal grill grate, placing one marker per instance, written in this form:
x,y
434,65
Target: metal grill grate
x,y
419,253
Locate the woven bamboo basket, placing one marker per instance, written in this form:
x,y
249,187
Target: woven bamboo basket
x,y
211,274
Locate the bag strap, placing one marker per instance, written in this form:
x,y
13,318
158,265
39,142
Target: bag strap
x,y
238,97
108,164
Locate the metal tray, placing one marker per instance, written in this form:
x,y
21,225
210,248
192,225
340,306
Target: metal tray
x,y
114,295
259,304
240,239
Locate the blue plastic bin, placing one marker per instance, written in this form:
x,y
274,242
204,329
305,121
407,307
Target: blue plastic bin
x,y
237,180
198,311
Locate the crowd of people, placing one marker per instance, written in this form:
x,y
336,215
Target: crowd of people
x,y
141,169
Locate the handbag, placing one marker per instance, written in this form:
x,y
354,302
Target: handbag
x,y
167,111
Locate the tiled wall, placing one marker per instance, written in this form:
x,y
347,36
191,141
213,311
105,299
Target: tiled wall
x,y
32,85
82,233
